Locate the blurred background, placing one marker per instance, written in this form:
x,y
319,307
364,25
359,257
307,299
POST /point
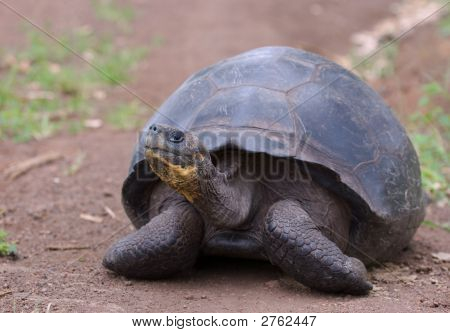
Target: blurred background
x,y
67,129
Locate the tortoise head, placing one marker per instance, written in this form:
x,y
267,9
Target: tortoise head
x,y
176,157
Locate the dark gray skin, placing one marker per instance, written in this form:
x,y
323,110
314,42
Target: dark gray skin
x,y
218,207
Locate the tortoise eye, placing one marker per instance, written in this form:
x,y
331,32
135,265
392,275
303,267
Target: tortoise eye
x,y
176,137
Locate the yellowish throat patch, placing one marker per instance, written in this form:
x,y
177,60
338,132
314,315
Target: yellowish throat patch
x,y
182,179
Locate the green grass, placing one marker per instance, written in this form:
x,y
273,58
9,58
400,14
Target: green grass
x,y
45,85
113,12
75,166
444,25
381,66
6,249
118,64
126,115
432,225
430,134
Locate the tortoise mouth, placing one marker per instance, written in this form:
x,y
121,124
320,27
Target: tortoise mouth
x,y
159,150
161,158
163,152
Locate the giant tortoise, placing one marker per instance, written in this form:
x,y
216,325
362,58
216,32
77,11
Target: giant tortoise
x,y
275,154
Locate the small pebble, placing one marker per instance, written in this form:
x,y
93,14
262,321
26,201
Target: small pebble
x,y
271,284
424,269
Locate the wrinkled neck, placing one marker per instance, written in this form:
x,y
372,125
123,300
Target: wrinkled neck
x,y
224,200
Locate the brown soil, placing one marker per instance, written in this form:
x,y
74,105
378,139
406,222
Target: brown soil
x,y
43,207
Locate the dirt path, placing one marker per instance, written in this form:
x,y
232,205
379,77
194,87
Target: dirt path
x,y
43,206
198,33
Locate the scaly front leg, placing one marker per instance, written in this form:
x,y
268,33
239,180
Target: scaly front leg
x,y
167,244
295,244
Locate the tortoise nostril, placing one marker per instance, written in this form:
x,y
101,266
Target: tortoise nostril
x,y
153,128
176,137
